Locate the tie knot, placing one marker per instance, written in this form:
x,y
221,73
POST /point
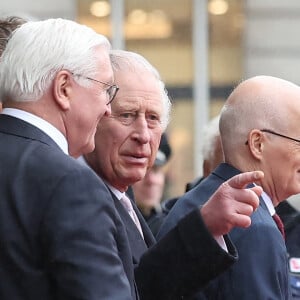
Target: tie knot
x,y
127,203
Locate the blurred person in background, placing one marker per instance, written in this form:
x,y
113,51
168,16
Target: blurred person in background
x,y
212,156
149,191
7,26
212,153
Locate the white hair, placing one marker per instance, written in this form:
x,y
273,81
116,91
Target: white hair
x,y
38,50
125,60
210,132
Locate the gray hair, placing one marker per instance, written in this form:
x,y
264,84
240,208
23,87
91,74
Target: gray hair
x,y
7,26
126,60
38,50
210,132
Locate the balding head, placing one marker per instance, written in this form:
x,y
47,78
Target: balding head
x,y
257,106
257,103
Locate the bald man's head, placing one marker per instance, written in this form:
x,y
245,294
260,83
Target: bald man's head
x,y
259,102
254,119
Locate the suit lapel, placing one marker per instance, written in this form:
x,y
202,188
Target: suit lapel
x,y
137,243
225,171
148,236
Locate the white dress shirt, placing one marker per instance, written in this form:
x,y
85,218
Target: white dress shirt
x,y
40,123
268,203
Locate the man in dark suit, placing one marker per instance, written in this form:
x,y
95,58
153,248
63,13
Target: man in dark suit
x,y
55,228
126,145
258,128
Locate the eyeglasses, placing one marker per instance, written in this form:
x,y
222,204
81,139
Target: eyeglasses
x,y
278,134
111,90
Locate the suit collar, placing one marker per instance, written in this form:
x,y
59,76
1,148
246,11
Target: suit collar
x,y
14,126
226,171
40,123
268,202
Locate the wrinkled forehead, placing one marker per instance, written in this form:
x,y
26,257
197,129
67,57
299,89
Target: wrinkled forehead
x,y
138,102
136,76
138,90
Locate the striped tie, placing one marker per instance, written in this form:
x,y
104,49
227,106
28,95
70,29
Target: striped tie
x,y
128,205
279,224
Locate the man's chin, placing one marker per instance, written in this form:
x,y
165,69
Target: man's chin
x,y
135,178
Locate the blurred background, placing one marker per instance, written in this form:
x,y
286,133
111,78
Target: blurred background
x,y
202,48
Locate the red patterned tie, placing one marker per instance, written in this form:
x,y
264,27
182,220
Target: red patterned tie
x,y
279,224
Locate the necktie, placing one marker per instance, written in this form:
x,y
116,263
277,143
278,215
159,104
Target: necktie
x,y
128,205
279,224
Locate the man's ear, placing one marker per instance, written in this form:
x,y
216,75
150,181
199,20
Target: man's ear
x,y
256,143
62,89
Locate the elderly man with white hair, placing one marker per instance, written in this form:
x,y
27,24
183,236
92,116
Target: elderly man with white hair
x,y
126,145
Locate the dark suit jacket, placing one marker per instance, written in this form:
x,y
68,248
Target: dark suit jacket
x,y
261,272
59,230
62,236
291,219
178,265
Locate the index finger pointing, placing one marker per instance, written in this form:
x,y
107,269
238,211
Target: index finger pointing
x,y
242,180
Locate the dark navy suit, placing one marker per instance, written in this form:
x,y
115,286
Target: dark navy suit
x,y
63,236
261,271
291,219
58,223
181,263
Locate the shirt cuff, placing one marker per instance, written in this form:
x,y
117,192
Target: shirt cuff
x,y
220,240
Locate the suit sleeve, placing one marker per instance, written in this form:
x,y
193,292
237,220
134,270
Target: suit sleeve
x,y
78,235
261,271
183,261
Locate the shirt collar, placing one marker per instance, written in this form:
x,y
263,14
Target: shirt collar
x,y
268,203
116,192
40,123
